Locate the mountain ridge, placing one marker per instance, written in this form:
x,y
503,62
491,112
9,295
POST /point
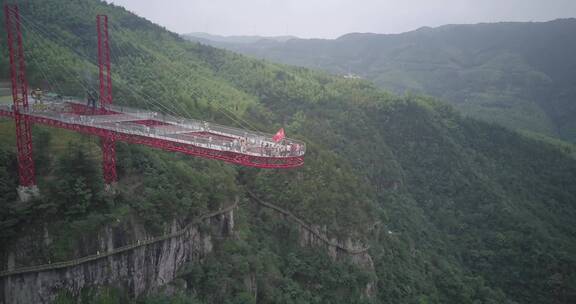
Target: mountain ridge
x,y
518,74
454,210
236,38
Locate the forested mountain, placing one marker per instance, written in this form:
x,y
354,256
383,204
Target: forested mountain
x,y
453,210
520,75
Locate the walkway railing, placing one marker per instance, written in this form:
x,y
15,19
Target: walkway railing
x,y
86,259
187,131
315,232
94,257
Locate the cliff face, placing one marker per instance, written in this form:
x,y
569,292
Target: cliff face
x,y
337,249
144,266
315,235
127,257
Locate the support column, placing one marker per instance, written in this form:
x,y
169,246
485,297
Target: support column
x,y
109,160
26,170
105,78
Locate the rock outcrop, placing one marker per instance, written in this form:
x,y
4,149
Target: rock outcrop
x,y
315,236
142,266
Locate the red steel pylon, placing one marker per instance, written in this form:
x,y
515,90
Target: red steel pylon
x,y
108,143
20,97
104,61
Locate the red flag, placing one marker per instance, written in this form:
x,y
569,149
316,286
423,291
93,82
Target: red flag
x,y
279,135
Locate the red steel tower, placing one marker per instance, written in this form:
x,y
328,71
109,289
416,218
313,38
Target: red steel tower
x,y
108,143
188,136
20,103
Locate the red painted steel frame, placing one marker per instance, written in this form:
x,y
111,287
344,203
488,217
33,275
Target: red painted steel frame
x,y
167,145
227,156
108,137
26,170
108,145
6,113
104,61
109,159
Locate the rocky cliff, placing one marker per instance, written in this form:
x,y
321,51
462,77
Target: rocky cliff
x,y
337,249
130,258
142,265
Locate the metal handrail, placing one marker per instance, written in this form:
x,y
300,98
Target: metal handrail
x,y
316,233
251,143
85,259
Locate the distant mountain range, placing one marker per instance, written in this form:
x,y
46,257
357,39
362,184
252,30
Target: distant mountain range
x,y
454,210
205,37
520,75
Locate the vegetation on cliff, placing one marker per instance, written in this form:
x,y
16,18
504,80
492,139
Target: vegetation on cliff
x,y
455,210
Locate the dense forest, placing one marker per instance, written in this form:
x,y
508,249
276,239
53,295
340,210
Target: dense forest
x,y
518,74
454,210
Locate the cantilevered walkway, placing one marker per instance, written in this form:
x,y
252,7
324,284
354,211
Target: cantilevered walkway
x,y
193,137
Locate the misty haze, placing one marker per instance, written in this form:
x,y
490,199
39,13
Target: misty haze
x,y
258,151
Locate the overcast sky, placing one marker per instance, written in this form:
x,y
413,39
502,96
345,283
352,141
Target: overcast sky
x,y
333,18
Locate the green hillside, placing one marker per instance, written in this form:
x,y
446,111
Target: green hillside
x,y
519,75
454,210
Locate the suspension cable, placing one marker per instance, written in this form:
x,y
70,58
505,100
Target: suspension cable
x,y
181,75
147,99
92,61
147,73
74,76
